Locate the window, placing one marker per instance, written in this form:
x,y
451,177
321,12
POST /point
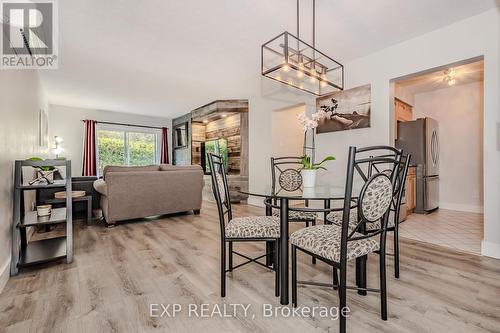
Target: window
x,y
124,145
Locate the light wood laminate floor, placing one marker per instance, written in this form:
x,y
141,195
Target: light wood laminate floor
x,y
118,272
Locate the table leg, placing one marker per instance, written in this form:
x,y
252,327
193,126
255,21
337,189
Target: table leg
x,y
269,245
89,211
325,214
284,251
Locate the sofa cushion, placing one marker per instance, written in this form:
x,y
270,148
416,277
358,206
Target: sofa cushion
x,y
101,187
170,167
116,168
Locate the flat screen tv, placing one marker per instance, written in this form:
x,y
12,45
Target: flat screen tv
x,y
180,136
217,147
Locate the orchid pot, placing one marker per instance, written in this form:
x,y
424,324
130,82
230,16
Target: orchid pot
x,y
310,168
308,177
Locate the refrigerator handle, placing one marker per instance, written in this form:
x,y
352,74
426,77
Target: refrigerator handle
x,y
434,148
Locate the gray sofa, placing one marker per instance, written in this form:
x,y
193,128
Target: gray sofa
x,y
136,192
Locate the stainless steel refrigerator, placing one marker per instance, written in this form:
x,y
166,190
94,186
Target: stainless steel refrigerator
x,y
420,138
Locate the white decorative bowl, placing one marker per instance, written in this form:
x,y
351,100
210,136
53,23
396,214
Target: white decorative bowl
x,y
43,210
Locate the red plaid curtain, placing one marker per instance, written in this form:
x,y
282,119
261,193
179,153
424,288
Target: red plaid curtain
x,y
89,151
164,146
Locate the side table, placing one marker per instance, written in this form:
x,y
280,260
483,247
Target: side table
x,y
87,199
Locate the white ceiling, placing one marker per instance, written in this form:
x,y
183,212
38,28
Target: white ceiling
x,y
464,74
168,57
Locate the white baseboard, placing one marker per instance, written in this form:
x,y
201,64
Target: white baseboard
x,y
4,274
490,249
461,207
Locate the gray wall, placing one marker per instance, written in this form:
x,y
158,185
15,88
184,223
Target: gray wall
x,y
20,102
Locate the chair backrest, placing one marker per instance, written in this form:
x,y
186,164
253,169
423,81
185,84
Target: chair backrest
x,y
376,195
285,174
220,189
400,184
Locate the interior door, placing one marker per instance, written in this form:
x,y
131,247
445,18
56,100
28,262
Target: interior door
x,y
432,147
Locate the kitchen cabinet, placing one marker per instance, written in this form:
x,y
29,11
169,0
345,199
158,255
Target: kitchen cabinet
x,y
402,112
411,187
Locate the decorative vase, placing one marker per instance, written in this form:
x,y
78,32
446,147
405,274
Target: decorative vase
x,y
308,177
44,210
47,175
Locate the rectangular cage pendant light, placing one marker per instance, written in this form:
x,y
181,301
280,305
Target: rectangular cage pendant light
x,y
292,61
288,59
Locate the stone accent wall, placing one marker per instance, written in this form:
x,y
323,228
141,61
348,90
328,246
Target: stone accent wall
x,y
226,119
197,137
228,128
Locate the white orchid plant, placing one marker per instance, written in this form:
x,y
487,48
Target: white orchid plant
x,y
310,123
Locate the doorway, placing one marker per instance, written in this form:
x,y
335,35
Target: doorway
x,y
438,118
287,133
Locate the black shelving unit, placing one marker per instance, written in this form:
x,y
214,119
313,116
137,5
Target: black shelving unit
x,y
25,253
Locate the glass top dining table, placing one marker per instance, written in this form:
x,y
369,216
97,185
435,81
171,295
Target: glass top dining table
x,y
319,192
282,199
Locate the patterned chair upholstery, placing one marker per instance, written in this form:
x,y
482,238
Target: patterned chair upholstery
x,y
324,241
296,215
336,219
253,227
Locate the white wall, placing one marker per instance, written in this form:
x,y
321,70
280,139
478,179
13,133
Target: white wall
x,y
20,102
287,133
473,37
404,94
459,111
66,122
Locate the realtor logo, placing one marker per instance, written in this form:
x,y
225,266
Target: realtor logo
x,y
29,34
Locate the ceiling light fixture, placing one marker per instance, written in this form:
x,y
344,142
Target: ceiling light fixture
x,y
295,59
450,76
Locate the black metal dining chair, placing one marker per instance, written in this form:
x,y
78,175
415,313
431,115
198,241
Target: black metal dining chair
x,y
286,177
399,190
240,229
336,245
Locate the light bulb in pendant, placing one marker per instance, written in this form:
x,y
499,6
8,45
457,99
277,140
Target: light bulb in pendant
x,y
300,73
312,79
286,68
323,83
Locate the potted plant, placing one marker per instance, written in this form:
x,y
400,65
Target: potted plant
x,y
309,170
45,172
